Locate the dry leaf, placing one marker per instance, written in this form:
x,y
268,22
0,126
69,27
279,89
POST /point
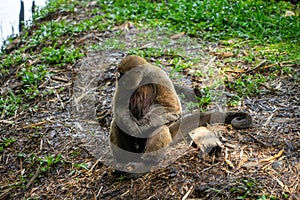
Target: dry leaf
x,y
242,162
224,54
273,157
177,36
125,26
245,53
145,46
229,163
235,70
205,139
289,13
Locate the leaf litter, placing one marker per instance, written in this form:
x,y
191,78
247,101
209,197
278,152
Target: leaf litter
x,y
262,160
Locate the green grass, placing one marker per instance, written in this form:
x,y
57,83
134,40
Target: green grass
x,y
258,27
5,142
9,104
261,21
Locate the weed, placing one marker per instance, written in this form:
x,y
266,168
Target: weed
x,y
180,65
5,142
74,154
247,188
60,56
148,53
109,44
262,21
205,97
81,165
246,85
9,104
48,161
122,177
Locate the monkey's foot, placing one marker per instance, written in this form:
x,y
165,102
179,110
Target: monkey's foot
x,y
137,167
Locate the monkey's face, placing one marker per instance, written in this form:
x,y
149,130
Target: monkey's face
x,y
130,79
130,62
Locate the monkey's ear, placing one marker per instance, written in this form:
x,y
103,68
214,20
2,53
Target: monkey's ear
x,y
131,79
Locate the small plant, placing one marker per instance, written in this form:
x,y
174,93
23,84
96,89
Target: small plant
x,y
60,56
122,178
74,154
5,142
180,65
81,165
49,161
111,43
247,188
31,79
9,104
205,98
246,85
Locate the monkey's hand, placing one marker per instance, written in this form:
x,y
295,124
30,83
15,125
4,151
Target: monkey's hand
x,y
128,125
158,116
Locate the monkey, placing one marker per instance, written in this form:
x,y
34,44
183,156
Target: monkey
x,y
145,102
147,113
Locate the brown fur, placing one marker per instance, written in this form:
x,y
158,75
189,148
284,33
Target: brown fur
x,y
141,100
149,119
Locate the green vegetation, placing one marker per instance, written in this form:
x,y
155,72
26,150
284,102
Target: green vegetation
x,y
262,29
247,188
5,142
48,161
250,43
259,21
44,164
251,30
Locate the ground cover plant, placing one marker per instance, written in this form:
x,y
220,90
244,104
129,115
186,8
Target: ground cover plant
x,y
254,47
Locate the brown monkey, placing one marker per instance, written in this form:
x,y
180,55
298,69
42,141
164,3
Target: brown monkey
x,y
145,103
147,112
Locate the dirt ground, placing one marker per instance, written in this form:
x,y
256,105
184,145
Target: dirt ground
x,y
262,161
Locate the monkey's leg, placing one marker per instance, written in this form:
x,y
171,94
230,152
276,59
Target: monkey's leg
x,y
153,152
156,143
125,148
160,138
116,142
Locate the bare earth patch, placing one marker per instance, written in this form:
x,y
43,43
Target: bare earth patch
x,y
53,158
260,160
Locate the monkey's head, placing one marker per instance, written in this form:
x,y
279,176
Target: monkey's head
x,y
130,62
128,78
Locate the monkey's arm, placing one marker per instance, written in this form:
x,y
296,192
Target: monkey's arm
x,y
145,126
165,110
158,116
127,123
167,107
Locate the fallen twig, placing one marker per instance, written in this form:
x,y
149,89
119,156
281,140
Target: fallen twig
x,y
258,140
37,124
37,172
188,193
270,117
257,66
60,79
